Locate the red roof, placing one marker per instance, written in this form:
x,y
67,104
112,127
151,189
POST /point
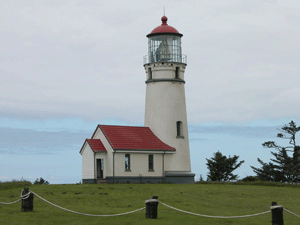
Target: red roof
x,y
133,138
96,145
164,28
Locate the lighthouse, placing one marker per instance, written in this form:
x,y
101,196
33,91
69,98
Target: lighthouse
x,y
165,106
159,151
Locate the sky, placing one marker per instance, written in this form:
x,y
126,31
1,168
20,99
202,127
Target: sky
x,y
66,66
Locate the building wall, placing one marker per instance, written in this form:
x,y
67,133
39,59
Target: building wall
x,y
87,162
138,165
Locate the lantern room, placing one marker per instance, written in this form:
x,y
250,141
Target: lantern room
x,y
164,44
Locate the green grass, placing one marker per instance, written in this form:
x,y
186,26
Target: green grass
x,y
209,199
14,184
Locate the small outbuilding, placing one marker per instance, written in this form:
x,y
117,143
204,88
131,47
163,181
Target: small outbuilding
x,y
123,154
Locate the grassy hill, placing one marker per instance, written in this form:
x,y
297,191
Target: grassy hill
x,y
209,199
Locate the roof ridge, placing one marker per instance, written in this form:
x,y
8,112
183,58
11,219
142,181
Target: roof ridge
x,y
121,126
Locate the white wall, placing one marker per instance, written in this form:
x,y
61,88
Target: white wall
x,y
138,165
87,162
165,105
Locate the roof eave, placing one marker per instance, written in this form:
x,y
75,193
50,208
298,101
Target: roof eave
x,y
145,150
83,146
164,33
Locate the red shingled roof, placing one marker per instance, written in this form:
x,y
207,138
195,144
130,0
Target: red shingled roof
x,y
96,145
133,138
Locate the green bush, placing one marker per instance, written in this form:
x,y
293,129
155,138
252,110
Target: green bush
x,y
40,181
250,179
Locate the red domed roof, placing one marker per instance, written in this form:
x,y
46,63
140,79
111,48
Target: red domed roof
x,y
164,28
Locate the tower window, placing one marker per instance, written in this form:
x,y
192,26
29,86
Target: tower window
x,y
179,129
177,73
127,162
149,74
150,163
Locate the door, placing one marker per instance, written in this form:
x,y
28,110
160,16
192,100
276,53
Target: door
x,y
100,168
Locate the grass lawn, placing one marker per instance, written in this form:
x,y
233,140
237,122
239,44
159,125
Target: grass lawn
x,y
209,199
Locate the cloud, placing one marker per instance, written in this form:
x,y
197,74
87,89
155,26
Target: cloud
x,y
84,59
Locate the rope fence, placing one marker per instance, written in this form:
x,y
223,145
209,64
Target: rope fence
x,y
21,197
86,214
68,210
151,207
217,217
290,212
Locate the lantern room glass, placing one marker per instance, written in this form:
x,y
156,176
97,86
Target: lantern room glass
x,y
164,48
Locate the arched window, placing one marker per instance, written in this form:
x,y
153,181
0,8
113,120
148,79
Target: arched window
x,y
179,129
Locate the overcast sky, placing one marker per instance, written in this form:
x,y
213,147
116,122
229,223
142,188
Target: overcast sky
x,y
66,66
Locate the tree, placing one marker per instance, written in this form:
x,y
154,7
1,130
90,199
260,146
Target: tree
x,y
284,168
220,167
40,181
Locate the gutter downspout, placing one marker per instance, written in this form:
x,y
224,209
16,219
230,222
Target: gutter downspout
x,y
95,168
163,167
114,167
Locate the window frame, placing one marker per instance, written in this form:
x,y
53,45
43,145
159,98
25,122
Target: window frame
x,y
179,129
151,162
177,72
149,73
127,162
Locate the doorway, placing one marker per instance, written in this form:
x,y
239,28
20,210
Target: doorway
x,y
100,168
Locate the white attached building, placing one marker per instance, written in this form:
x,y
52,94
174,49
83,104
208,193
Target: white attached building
x,y
158,152
124,154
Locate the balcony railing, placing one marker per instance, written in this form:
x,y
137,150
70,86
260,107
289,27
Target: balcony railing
x,y
170,58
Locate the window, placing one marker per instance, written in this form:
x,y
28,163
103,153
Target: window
x,y
127,162
150,164
149,74
164,48
179,129
177,73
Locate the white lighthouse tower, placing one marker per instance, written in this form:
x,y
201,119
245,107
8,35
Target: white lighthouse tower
x,y
165,111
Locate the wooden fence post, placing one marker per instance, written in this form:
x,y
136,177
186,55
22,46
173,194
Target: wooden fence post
x,y
277,214
151,207
27,202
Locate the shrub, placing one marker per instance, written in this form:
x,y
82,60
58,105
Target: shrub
x,y
249,179
40,181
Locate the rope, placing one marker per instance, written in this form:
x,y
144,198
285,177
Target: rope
x,y
86,214
219,217
21,197
8,203
291,212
